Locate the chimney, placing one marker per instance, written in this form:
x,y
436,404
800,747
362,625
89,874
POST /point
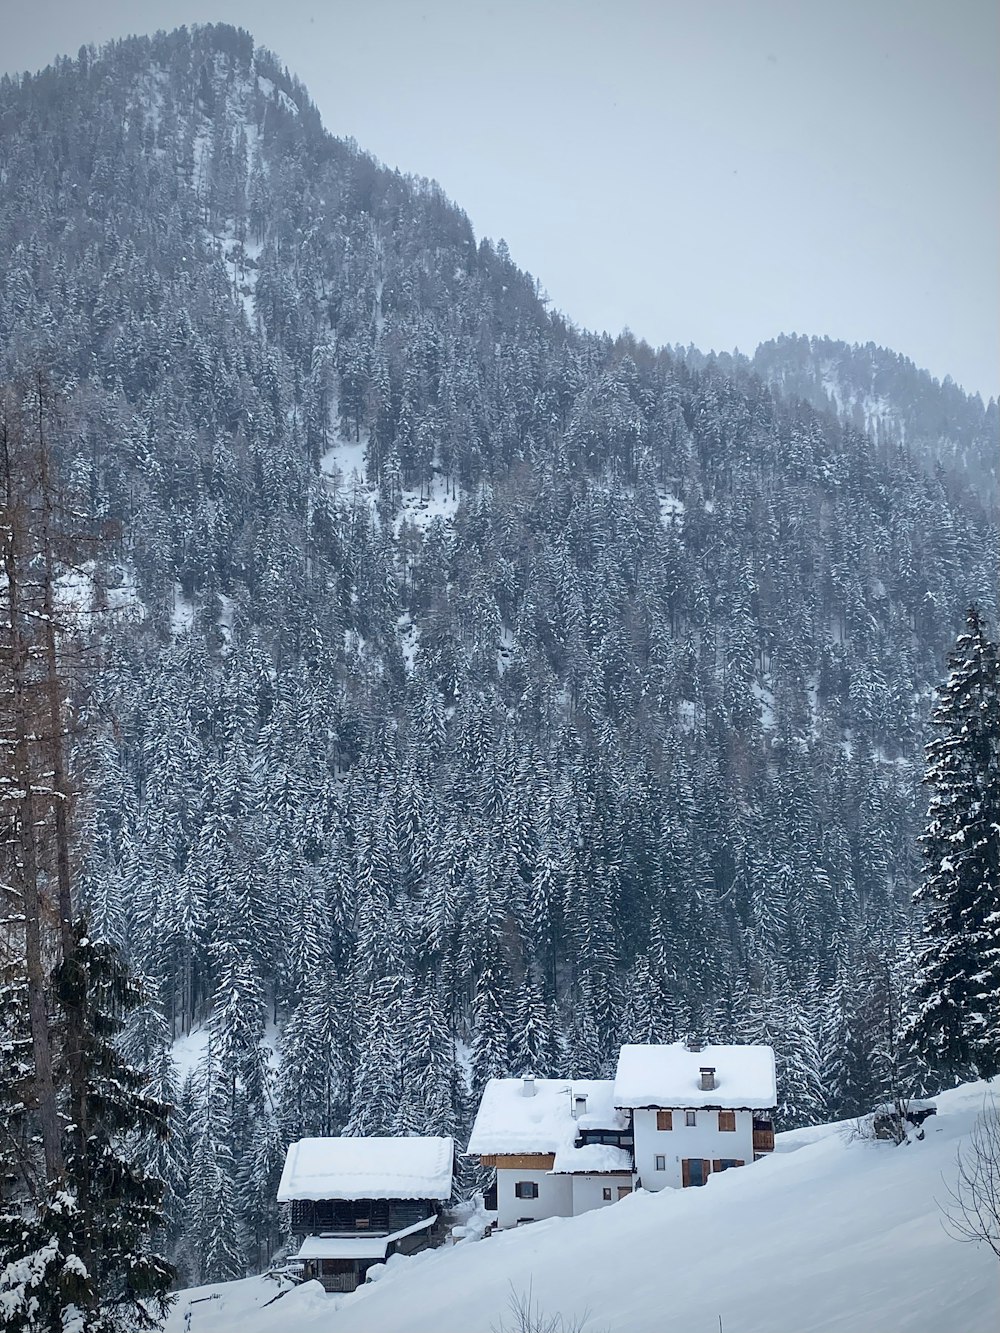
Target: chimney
x,y
707,1078
528,1088
694,1043
579,1105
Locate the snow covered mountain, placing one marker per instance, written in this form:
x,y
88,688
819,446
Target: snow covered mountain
x,y
477,686
834,1234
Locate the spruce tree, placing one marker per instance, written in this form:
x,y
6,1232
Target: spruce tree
x,y
77,1257
957,991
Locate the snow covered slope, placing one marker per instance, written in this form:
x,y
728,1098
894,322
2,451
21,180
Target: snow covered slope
x,y
831,1234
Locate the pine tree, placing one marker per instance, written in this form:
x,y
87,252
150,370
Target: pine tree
x,y
491,1025
214,1234
957,1021
79,1257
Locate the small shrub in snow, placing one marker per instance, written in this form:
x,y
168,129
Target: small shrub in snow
x,y
525,1315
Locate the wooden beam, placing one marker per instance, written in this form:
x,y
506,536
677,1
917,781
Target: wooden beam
x,y
522,1161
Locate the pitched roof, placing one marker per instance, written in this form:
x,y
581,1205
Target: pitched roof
x,y
670,1076
372,1168
508,1121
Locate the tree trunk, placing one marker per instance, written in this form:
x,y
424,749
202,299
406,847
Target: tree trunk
x,y
24,795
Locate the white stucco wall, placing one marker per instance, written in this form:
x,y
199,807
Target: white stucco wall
x,y
555,1196
703,1139
588,1191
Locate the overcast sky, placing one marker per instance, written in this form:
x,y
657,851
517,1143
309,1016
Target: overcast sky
x,y
706,171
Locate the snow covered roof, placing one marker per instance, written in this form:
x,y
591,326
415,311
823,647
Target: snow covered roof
x,y
399,1168
670,1076
343,1247
592,1159
508,1121
356,1247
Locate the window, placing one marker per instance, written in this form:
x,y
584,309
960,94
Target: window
x,y
727,1121
661,1162
526,1189
623,1190
615,1138
606,1193
690,1118
664,1120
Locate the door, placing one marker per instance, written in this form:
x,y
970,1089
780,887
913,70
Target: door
x,y
695,1171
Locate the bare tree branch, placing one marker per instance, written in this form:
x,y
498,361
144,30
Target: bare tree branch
x,y
972,1209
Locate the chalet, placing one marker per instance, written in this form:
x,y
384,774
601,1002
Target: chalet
x,y
695,1109
356,1201
671,1116
559,1146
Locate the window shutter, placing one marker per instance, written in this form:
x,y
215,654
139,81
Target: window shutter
x,y
717,1164
664,1120
706,1169
685,1173
740,1162
727,1121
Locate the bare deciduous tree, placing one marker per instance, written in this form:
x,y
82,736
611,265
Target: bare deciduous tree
x,y
972,1209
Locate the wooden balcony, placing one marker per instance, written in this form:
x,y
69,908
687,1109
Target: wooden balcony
x,y
763,1139
339,1281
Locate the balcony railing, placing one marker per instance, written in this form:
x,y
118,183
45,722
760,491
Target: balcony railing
x,y
339,1281
763,1140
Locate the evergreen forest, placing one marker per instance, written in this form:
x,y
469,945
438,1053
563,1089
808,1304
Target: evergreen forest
x,y
465,692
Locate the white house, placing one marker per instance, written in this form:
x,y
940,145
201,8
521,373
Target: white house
x,y
559,1146
695,1109
671,1116
355,1201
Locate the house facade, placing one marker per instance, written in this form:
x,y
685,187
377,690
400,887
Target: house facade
x,y
695,1109
672,1116
558,1147
355,1201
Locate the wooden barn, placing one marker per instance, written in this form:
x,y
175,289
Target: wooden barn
x,y
356,1201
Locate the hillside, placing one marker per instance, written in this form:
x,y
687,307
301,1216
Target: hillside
x,y
831,1235
480,693
884,393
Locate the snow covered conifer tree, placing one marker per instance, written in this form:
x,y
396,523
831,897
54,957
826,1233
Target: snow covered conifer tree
x,y
957,1023
79,1258
145,1044
121,1202
533,1045
491,1026
213,1232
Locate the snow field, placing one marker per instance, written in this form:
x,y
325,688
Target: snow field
x,y
831,1235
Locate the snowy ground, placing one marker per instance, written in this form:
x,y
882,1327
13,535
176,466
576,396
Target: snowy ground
x,y
828,1236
